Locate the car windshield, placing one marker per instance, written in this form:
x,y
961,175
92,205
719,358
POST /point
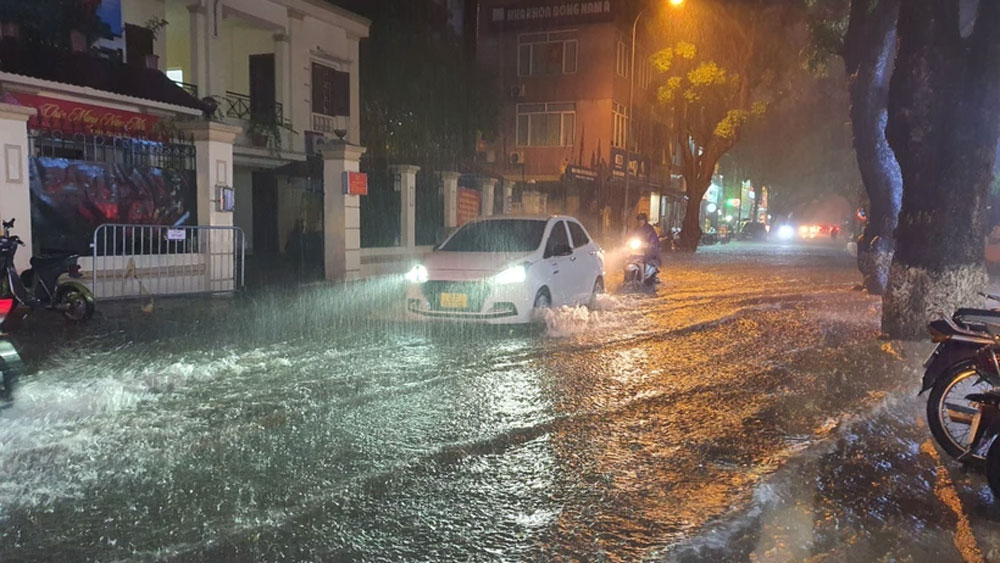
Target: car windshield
x,y
505,235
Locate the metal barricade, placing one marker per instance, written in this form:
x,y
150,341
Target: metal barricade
x,y
146,260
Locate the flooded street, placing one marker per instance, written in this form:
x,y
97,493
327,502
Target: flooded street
x,y
721,419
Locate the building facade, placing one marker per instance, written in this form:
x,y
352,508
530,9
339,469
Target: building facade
x,y
278,78
563,70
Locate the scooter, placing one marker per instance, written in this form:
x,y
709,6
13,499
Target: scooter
x,y
11,367
639,272
40,286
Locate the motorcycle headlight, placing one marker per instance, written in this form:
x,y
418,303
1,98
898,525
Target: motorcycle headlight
x,y
635,244
417,274
514,274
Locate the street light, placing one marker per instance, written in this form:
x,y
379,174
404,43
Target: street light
x,y
628,118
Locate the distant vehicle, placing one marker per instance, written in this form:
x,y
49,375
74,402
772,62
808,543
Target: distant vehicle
x,y
504,270
756,232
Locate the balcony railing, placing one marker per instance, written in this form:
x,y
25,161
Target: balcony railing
x,y
239,106
191,89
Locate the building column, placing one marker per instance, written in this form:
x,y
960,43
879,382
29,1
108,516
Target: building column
x,y
282,78
449,182
206,18
487,186
508,196
341,213
299,80
406,175
213,144
15,190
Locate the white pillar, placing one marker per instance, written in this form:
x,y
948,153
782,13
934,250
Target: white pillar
x,y
15,191
282,78
300,79
206,26
487,187
213,142
407,203
450,187
508,196
341,213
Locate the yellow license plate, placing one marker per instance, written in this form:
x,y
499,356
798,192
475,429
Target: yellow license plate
x,y
454,300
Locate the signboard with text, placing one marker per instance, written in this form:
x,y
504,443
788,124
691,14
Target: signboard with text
x,y
355,183
548,14
638,165
79,116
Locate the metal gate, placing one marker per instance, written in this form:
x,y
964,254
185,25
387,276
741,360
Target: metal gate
x,y
145,260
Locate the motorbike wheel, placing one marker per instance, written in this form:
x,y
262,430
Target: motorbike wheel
x,y
993,469
949,414
79,304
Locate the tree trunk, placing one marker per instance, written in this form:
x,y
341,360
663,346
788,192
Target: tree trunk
x,y
943,126
691,231
869,54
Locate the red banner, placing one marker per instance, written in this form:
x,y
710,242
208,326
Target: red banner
x,y
89,118
468,205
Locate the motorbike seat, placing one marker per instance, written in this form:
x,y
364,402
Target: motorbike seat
x,y
977,316
54,260
991,397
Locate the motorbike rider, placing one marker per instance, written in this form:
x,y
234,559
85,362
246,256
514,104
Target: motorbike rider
x,y
647,234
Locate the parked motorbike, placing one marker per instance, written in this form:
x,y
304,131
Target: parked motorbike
x,y
41,286
955,370
640,273
11,367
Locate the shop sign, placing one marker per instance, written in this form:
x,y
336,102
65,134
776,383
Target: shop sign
x,y
86,117
580,173
550,14
638,166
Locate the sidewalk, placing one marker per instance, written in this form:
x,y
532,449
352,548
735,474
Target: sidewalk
x,y
877,490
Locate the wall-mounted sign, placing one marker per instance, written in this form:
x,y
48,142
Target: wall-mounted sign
x,y
355,183
581,173
638,165
85,117
227,199
551,13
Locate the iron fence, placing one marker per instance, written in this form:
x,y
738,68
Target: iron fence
x,y
146,260
62,138
241,106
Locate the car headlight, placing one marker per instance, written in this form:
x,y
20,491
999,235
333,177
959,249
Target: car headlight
x,y
417,274
514,274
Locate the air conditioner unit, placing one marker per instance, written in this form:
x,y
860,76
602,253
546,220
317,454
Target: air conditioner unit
x,y
517,91
516,157
315,142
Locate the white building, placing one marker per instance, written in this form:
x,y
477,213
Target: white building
x,y
284,74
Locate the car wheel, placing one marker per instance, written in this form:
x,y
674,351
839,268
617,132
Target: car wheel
x,y
598,289
543,301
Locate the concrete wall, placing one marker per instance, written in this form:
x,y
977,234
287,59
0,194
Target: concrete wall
x,y
239,41
178,40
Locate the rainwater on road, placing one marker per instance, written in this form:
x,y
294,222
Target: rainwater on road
x,y
317,425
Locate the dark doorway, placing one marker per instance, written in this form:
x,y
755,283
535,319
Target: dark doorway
x,y
138,44
262,95
265,213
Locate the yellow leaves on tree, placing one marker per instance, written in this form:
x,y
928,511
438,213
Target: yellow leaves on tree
x,y
665,94
730,124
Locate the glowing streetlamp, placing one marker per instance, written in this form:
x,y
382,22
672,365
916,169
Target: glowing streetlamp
x,y
628,118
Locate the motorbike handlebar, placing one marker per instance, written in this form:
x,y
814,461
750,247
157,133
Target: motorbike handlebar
x,y
990,296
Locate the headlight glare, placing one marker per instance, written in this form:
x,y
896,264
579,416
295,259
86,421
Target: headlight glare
x,y
417,274
514,274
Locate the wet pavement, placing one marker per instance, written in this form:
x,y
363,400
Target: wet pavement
x,y
747,411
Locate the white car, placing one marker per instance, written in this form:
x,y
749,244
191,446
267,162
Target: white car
x,y
500,270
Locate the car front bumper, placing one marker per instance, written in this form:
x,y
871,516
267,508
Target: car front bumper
x,y
485,303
